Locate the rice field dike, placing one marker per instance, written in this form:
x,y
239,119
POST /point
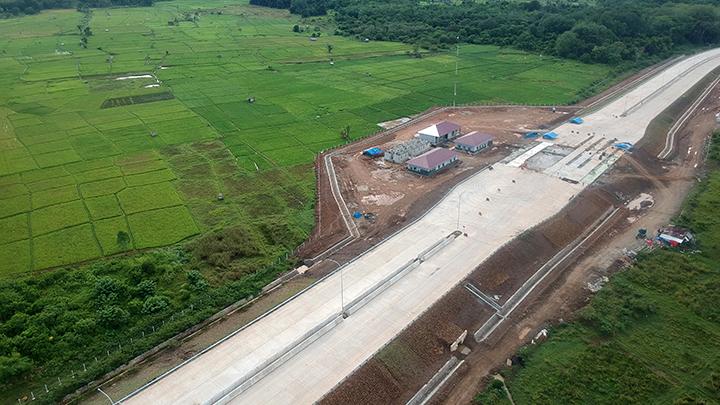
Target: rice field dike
x,y
156,163
650,336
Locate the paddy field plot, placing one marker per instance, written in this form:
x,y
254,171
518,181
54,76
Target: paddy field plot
x,y
142,130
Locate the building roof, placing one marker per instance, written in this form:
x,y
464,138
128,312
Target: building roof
x,y
675,234
440,129
475,138
432,159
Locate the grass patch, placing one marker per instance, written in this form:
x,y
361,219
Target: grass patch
x,y
15,257
66,246
157,176
102,187
161,227
14,228
107,230
129,100
149,197
106,206
58,216
54,196
15,205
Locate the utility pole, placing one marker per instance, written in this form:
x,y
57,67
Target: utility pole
x,y
457,57
342,293
458,207
458,212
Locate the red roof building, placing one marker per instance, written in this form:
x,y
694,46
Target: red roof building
x,y
474,142
432,162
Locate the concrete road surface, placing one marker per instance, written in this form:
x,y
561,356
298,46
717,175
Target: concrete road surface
x,y
511,209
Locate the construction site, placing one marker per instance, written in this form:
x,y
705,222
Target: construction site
x,y
416,287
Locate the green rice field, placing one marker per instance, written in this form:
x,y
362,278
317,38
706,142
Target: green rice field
x,y
140,131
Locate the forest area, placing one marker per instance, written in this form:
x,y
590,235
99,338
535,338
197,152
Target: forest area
x,y
608,32
11,8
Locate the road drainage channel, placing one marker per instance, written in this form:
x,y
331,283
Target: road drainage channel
x,y
519,296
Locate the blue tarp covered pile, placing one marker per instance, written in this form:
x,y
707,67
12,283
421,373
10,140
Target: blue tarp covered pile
x,y
550,135
576,120
532,135
373,152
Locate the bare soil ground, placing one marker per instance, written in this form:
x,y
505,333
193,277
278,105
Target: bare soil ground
x,y
392,193
389,190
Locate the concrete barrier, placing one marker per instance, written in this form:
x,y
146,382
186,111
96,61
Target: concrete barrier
x,y
279,358
270,365
436,382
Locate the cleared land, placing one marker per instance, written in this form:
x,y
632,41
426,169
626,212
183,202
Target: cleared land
x,y
81,126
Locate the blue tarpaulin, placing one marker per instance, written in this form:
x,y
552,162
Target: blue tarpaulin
x,y
577,120
373,152
550,135
626,146
532,135
357,215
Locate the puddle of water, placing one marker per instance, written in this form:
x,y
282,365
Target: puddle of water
x,y
131,77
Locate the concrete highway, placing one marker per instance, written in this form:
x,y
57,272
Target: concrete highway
x,y
230,372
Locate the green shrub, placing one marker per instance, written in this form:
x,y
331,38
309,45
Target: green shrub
x,y
145,288
108,291
13,366
112,316
155,304
196,280
223,248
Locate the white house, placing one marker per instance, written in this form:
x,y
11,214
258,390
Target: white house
x,y
440,133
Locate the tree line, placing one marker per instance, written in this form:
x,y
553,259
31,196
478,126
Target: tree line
x,y
10,8
604,31
305,8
